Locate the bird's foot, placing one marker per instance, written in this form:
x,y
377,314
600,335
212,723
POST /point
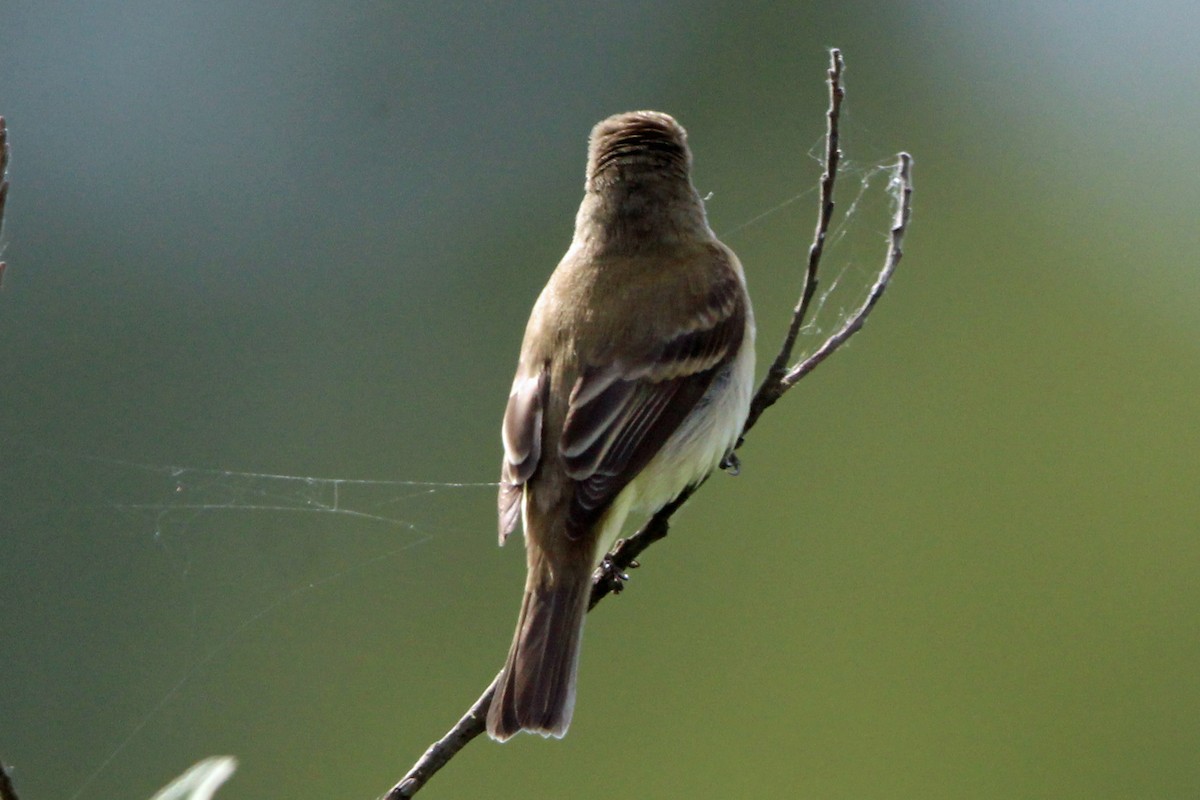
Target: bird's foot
x,y
731,463
611,576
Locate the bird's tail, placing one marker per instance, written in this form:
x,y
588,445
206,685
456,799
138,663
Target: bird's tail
x,y
536,691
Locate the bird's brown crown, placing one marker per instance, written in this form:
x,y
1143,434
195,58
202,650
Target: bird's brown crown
x,y
637,142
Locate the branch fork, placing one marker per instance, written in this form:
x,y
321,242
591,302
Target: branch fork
x,y
781,376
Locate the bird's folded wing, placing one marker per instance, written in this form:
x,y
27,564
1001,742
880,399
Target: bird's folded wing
x,y
621,414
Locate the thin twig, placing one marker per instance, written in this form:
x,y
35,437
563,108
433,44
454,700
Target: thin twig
x,y
904,190
471,725
781,377
3,195
772,387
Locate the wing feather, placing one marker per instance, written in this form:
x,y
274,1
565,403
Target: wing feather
x,y
622,414
522,436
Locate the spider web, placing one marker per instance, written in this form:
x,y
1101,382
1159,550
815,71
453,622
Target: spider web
x,y
188,493
854,245
295,534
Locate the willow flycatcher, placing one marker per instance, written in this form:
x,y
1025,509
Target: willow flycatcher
x,y
633,383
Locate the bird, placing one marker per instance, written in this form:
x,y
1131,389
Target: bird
x,y
634,381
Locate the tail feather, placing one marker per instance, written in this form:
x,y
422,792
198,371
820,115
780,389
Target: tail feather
x,y
536,692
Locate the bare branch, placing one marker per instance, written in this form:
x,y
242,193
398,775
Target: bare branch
x,y
772,387
3,196
904,190
471,725
609,577
4,153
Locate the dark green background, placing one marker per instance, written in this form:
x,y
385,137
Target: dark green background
x,y
961,561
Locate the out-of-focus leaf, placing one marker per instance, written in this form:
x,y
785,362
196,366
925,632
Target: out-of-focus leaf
x,y
200,781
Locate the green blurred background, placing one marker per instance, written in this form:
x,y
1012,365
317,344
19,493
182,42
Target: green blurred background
x,y
303,240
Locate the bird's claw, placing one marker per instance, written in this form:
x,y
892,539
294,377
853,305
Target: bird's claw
x,y
613,577
731,463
